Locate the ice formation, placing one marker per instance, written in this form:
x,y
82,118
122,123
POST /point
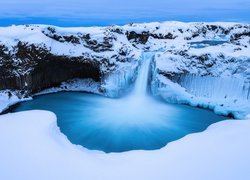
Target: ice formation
x,y
200,53
216,87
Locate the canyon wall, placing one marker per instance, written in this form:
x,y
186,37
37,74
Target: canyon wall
x,y
34,57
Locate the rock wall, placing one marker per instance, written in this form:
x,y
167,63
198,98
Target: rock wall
x,y
50,73
34,68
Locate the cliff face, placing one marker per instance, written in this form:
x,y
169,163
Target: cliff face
x,y
34,57
51,73
37,68
26,64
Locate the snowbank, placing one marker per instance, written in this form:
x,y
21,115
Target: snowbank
x,y
8,98
32,147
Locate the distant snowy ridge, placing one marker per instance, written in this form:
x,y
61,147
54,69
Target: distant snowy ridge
x,y
36,57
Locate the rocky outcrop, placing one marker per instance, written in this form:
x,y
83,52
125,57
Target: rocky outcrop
x,y
49,74
82,38
138,38
34,68
143,37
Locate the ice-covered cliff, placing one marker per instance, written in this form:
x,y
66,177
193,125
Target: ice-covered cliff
x,y
194,63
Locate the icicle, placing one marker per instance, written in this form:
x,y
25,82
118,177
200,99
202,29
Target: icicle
x,y
116,83
215,87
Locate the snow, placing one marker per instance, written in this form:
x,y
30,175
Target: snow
x,y
174,93
32,147
183,34
230,60
85,85
36,34
8,98
216,87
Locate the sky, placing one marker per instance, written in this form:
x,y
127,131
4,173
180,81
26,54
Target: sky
x,y
108,12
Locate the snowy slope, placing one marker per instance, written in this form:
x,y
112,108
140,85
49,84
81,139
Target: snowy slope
x,y
32,147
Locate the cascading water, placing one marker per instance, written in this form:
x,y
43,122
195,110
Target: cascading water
x,y
119,82
141,83
137,121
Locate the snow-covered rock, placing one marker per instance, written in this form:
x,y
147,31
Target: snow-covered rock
x,y
27,51
85,85
36,57
10,97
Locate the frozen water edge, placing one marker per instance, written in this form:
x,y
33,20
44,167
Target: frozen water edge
x,y
85,85
220,152
173,92
168,90
9,97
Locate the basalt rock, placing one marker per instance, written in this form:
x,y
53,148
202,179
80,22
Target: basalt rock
x,y
48,73
240,35
34,68
85,39
138,38
144,36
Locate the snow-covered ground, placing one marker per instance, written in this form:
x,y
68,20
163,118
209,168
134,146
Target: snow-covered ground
x,y
10,97
32,147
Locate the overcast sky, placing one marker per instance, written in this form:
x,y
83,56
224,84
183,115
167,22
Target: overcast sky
x,y
106,12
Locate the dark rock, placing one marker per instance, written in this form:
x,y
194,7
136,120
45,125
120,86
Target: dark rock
x,y
240,35
165,36
72,39
143,37
212,27
138,38
34,68
105,45
116,30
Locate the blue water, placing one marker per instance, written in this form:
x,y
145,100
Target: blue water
x,y
118,125
207,43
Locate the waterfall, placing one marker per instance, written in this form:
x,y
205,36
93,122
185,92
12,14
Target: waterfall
x,y
119,82
141,83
